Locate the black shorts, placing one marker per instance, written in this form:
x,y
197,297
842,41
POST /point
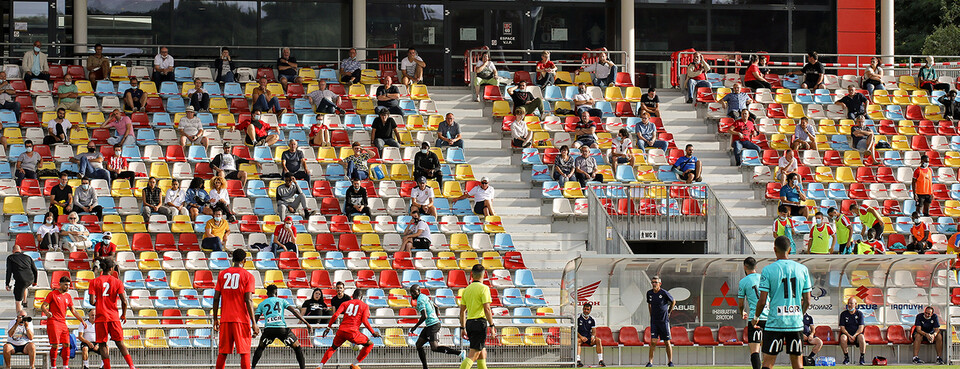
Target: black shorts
x,y
795,211
774,342
660,331
755,335
479,206
17,349
923,200
247,139
924,339
19,288
429,334
233,174
477,333
421,243
285,335
878,229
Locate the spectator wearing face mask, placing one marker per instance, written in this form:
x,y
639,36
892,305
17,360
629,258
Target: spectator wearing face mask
x,y
355,201
919,240
870,218
844,229
785,226
27,163
822,238
48,235
427,164
871,244
284,237
85,199
90,163
922,185
791,196
215,232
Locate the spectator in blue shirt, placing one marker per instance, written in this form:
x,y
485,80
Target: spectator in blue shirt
x,y
791,196
647,133
660,304
687,167
851,331
587,334
927,330
810,338
736,101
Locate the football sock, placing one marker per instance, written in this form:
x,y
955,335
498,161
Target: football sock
x,y
600,357
466,364
327,355
578,357
106,363
221,361
755,360
364,352
65,355
299,353
482,364
53,356
245,361
129,360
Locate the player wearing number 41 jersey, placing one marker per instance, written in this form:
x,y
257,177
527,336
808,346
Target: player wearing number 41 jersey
x,y
105,290
787,284
354,312
233,311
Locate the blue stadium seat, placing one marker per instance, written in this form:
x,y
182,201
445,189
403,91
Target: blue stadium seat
x,y
218,260
664,174
530,156
523,278
839,143
328,74
189,300
333,260
512,297
265,261
199,224
534,298
402,222
836,191
551,190
443,206
552,93
263,206
522,311
197,154
179,338
166,299
105,88
169,89
256,188
815,191
446,172
300,136
454,155
902,224
408,107
946,225
472,224
715,79
412,277
322,341
213,89
289,121
182,74
606,108
8,118
302,106
788,82
201,338
804,96
445,298
375,298
503,242
541,173
161,119
669,207
822,96
802,225
570,92
232,90
891,158
133,279
206,300
340,188
14,150
176,105
19,223
335,172
132,153
352,122
146,137
122,87
433,278
86,300
157,279
750,158
262,154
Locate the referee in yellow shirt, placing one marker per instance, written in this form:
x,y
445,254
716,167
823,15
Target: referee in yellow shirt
x,y
475,316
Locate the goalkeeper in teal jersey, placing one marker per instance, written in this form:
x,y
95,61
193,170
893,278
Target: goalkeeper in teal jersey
x,y
748,293
787,284
275,325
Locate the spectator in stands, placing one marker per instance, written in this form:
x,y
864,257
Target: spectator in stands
x,y
175,201
563,166
786,165
741,138
822,239
290,198
650,103
293,162
583,102
197,199
869,217
922,185
98,65
384,131
804,136
873,76
524,99
340,297
736,102
123,128
35,65
356,164
85,199
871,244
521,137
87,338
587,334
585,167
851,331
427,164
948,102
812,72
153,200
350,68
927,78
688,167
48,235
258,132
919,238
103,249
61,196
68,94
421,198
855,102
319,132
226,164
58,128
411,68
585,131
223,67
325,101
482,198
28,162
448,133
926,329
696,76
314,307
220,198
809,338
622,150
417,234
647,133
791,196
287,68
199,97
163,67
74,235
388,97
843,228
355,200
863,139
22,268
764,67
660,305
546,70
90,163
486,74
215,232
20,339
284,237
134,99
118,166
8,95
604,71
753,78
191,129
263,99
785,226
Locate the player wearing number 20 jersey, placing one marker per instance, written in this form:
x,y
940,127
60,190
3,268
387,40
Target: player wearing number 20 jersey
x,y
233,311
785,282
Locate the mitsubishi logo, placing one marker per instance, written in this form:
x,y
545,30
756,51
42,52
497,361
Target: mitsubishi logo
x,y
723,291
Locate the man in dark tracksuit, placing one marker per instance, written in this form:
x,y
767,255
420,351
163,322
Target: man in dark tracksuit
x,y
24,272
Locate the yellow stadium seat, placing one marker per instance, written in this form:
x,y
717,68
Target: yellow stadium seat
x,y
491,260
845,125
501,108
779,141
604,140
361,224
845,175
380,261
933,112
398,298
182,224
583,77
180,280
400,172
13,205
364,107
307,74
415,123
613,93
185,88
464,172
572,190
272,188
888,226
460,242
721,92
226,120
468,259
358,92
852,158
787,126
564,78
607,172
251,170
135,224
259,295
882,97
439,152
920,97
823,143
155,339
452,189
219,105
84,88
121,188
148,260
122,242
150,88
901,97
447,260
493,224
824,175
78,136
200,313
132,339
796,111
545,311
276,89
369,77
274,277
900,142
419,92
907,82
148,313
906,127
510,336
370,242
112,223
395,337
119,73
646,173
311,260
84,277
951,208
533,336
784,96
38,298
827,127
951,159
433,122
875,112
633,94
94,119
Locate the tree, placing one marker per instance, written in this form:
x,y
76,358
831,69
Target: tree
x,y
945,40
914,19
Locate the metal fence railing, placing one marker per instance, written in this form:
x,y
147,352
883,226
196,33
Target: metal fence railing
x,y
664,212
529,58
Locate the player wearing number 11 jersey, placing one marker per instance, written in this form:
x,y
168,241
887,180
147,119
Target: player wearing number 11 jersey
x,y
105,290
233,311
354,312
787,285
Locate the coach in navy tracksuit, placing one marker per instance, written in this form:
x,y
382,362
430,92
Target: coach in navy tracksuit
x,y
660,304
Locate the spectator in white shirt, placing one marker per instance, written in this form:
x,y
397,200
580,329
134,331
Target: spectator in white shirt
x,y
422,198
583,101
325,101
622,150
804,136
191,129
199,97
786,165
482,198
417,234
20,340
411,68
88,338
522,137
173,201
58,128
486,74
219,198
604,71
163,67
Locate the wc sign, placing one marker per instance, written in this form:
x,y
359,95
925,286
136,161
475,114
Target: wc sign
x,y
507,28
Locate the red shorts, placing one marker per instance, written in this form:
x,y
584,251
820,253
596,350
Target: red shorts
x,y
234,334
354,337
58,333
111,329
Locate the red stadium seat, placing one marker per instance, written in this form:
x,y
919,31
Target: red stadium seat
x,y
623,80
773,191
402,261
521,75
267,73
772,157
456,279
172,313
348,241
826,334
295,90
322,188
55,277
705,95
153,104
330,206
492,93
320,279
946,128
872,335
26,241
647,339
142,242
289,260
78,261
188,242
140,120
239,106
727,336
624,109
897,336
325,242
77,72
703,336
411,316
513,260
366,279
175,154
389,279
165,242
629,337
553,336
680,337
606,336
298,279
885,175
203,279
250,224
30,187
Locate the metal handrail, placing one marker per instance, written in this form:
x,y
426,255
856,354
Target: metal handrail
x,y
521,58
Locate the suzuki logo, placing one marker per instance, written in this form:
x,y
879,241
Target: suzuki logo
x,y
723,291
862,293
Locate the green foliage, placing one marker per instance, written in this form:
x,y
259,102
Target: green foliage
x,y
945,40
915,20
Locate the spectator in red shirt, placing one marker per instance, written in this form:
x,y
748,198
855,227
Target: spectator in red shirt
x,y
285,236
118,166
105,248
741,133
922,185
753,78
546,70
257,132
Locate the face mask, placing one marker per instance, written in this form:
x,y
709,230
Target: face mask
x,y
916,221
36,49
423,151
288,225
356,186
796,182
91,149
30,149
819,221
67,83
783,217
49,221
924,165
218,218
851,308
84,187
257,117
